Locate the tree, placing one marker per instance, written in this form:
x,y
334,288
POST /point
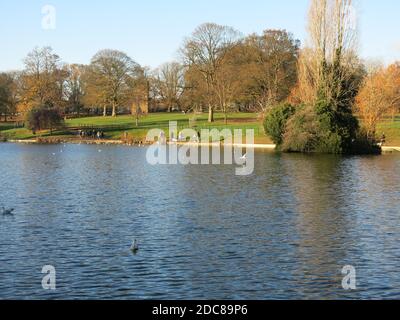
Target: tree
x,y
139,95
74,87
8,94
272,65
169,84
43,118
330,75
333,38
275,122
205,51
42,80
110,72
379,96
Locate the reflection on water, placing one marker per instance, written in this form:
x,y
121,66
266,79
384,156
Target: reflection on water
x,y
284,232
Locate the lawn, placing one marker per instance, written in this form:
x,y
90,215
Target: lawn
x,y
391,129
114,128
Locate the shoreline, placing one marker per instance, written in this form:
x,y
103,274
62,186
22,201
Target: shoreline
x,y
118,142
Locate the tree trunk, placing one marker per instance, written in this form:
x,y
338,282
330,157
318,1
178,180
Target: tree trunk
x,y
210,114
104,111
114,110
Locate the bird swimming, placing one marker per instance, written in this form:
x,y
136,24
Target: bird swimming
x,y
135,246
7,212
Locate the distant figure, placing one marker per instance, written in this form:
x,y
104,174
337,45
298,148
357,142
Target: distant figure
x,y
383,139
7,212
135,246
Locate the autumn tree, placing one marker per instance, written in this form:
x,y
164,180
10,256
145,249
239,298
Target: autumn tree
x,y
42,118
169,84
272,67
74,87
139,94
109,79
42,80
194,97
379,96
9,94
204,51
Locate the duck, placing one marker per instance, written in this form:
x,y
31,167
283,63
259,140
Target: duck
x,y
135,246
7,212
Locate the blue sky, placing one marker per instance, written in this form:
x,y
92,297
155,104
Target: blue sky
x,y
151,31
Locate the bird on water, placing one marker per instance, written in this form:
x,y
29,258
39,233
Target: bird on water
x,y
135,246
7,212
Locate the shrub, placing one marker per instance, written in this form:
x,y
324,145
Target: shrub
x,y
320,129
276,120
303,131
43,118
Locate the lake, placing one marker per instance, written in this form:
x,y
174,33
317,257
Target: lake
x,y
284,232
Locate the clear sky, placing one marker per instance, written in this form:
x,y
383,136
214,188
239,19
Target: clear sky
x,y
151,31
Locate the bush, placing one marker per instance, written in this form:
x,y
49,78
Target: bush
x,y
43,118
306,132
321,129
276,120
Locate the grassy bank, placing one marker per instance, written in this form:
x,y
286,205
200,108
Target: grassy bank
x,y
114,128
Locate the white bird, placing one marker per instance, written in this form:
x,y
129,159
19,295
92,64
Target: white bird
x,y
7,212
135,246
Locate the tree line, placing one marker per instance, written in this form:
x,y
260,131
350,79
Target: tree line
x,y
219,70
323,84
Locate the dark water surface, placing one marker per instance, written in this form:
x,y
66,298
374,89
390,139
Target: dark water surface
x,y
284,232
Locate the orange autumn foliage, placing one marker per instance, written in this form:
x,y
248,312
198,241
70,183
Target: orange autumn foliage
x,y
379,96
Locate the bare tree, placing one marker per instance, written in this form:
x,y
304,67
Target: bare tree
x,y
110,74
169,83
273,70
205,50
74,87
43,79
328,63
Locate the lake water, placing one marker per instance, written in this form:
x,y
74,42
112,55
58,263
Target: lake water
x,y
284,232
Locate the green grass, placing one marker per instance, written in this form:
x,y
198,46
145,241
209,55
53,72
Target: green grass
x,y
391,130
114,128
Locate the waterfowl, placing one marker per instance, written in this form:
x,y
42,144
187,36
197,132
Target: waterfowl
x,y
135,246
7,212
